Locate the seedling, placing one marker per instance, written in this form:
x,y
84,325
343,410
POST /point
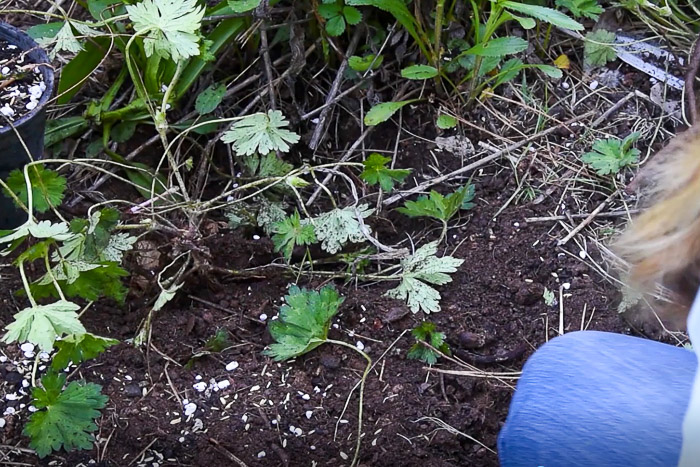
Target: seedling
x,y
427,332
598,49
582,8
66,416
292,232
609,156
303,324
260,133
81,260
337,15
419,270
439,207
377,172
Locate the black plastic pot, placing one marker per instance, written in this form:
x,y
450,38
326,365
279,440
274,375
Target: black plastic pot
x,y
30,127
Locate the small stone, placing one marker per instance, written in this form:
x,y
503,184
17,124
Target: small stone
x,y
12,377
261,454
232,366
469,340
132,390
27,347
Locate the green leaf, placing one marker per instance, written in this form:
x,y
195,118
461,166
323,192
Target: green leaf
x,y
170,27
436,205
42,324
445,122
261,133
427,332
209,99
269,213
382,112
352,15
91,285
376,171
78,348
68,418
272,166
242,6
45,31
75,73
419,72
467,203
64,40
292,232
63,128
398,9
338,227
328,11
509,71
362,64
548,15
101,9
549,70
48,187
303,322
609,156
599,47
123,131
218,342
525,23
335,26
499,47
582,8
419,270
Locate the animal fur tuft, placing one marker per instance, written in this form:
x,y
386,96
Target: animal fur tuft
x,y
662,245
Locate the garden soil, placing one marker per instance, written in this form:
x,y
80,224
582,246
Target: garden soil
x,y
263,413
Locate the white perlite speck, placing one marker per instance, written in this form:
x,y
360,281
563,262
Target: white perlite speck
x,y
200,387
223,384
190,408
232,366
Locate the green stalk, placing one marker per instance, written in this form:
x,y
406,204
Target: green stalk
x,y
439,13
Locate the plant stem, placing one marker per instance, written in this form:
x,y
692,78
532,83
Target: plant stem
x,y
25,283
444,231
34,368
439,13
356,458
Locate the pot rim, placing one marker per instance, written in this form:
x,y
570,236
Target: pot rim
x,y
46,71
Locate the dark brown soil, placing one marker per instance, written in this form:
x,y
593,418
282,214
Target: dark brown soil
x,y
493,311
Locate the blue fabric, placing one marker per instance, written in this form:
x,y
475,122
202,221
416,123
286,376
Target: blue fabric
x,y
595,399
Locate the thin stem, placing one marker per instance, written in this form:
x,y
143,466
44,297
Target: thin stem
x,y
34,368
356,458
439,14
25,283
